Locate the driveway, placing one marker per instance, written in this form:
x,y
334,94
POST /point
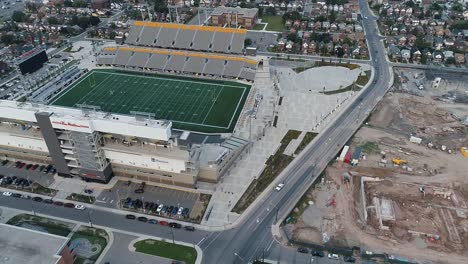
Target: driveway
x,y
119,252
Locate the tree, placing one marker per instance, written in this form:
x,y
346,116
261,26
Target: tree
x,y
94,21
160,6
410,3
67,3
243,4
457,7
293,37
83,22
247,42
424,58
294,15
7,39
332,17
112,35
450,60
80,3
53,21
74,20
435,7
270,11
196,3
321,18
18,16
339,52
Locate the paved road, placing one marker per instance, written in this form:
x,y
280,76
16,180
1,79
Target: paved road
x,y
104,218
119,252
249,240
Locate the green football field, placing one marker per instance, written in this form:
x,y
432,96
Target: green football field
x,y
192,104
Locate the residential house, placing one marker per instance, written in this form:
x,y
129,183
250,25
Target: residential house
x,y
405,55
448,54
312,49
437,57
394,52
459,58
305,48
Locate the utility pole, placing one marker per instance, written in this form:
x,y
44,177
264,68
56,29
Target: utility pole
x,y
172,233
89,218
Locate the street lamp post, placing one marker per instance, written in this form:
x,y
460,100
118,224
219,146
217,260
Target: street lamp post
x,y
237,255
89,218
32,208
172,233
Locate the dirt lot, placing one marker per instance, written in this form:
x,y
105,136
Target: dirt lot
x,y
415,209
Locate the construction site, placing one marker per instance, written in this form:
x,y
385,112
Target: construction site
x,y
400,186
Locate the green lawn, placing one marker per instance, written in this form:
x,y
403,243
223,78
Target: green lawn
x,y
167,250
259,26
81,198
275,23
51,226
192,104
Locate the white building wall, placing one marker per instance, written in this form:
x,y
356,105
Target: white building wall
x,y
145,161
36,144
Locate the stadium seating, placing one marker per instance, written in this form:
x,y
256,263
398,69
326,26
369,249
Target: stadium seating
x,y
188,37
178,61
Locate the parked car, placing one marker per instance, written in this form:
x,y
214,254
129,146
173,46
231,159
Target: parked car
x,y
4,162
160,207
89,191
175,210
37,199
185,212
28,166
164,209
349,259
41,168
163,223
69,205
169,210
17,164
21,165
180,211
58,203
142,219
333,256
80,207
48,201
302,250
189,228
47,169
25,196
175,225
16,195
131,217
318,253
53,171
34,167
153,221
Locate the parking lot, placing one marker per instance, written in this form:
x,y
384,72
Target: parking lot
x,y
154,194
34,175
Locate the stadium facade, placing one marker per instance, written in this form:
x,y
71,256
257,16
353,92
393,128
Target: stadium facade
x,y
95,145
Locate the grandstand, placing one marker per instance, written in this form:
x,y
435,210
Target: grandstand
x,y
187,37
161,60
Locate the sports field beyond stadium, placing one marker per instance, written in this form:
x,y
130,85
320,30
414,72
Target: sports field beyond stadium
x,y
192,104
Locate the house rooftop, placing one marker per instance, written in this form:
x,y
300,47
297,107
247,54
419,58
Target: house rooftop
x,y
245,12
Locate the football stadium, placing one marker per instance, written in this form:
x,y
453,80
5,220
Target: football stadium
x,y
191,104
152,109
